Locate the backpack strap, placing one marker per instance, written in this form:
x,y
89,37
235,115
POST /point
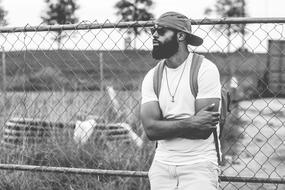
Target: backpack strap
x,y
194,70
157,77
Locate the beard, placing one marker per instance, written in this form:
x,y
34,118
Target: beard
x,y
165,50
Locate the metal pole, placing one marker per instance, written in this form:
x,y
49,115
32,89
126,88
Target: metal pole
x,y
101,72
4,81
243,25
84,26
124,173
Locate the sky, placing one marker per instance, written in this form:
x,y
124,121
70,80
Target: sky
x,y
23,12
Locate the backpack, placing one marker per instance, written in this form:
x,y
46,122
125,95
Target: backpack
x,y
193,80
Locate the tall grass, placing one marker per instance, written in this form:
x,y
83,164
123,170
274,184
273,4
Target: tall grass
x,y
97,154
62,151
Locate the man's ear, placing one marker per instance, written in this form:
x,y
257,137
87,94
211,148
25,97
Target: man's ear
x,y
181,36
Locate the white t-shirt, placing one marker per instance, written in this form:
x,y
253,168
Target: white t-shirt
x,y
181,151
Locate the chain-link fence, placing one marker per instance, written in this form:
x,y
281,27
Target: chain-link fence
x,y
70,104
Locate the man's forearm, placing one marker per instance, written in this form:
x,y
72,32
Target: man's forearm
x,y
197,134
171,128
192,131
164,129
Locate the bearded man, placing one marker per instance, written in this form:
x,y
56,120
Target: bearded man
x,y
181,123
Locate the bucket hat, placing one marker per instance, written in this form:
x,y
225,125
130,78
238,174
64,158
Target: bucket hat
x,y
179,22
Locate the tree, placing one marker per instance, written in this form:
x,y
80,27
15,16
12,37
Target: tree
x,y
230,8
134,10
3,13
60,12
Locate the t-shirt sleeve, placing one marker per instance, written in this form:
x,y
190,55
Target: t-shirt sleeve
x,y
209,85
147,91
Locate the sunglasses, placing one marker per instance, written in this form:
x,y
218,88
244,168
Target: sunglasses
x,y
160,30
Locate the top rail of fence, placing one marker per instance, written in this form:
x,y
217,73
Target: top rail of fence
x,y
88,26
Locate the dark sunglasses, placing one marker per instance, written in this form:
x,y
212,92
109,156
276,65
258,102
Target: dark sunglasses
x,y
160,30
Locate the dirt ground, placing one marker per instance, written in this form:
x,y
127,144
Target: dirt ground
x,y
261,151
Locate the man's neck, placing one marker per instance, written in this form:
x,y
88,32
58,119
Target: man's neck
x,y
177,59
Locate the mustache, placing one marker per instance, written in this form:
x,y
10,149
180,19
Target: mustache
x,y
154,41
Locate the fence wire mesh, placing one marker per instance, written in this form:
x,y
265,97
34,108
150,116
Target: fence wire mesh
x,y
70,104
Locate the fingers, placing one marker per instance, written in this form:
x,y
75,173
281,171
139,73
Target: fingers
x,y
215,117
208,108
211,119
208,114
215,120
215,114
209,126
207,119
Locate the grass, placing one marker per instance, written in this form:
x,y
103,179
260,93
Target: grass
x,y
95,154
62,151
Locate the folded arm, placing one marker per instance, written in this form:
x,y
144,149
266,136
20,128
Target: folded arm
x,y
196,127
201,104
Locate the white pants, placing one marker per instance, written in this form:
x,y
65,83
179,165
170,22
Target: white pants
x,y
200,176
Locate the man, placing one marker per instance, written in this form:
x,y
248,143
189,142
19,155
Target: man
x,y
182,125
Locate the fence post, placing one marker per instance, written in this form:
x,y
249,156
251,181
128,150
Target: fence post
x,y
101,72
4,82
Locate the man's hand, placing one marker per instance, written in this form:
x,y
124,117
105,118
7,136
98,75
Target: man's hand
x,y
206,119
202,124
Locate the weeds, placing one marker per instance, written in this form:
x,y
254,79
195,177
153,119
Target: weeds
x,y
62,151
